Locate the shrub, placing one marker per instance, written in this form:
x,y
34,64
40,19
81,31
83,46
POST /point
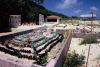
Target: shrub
x,y
42,59
89,40
65,34
74,60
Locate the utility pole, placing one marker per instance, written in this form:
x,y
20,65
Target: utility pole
x,y
91,36
91,22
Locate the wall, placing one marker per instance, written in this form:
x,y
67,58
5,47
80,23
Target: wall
x,y
58,62
12,35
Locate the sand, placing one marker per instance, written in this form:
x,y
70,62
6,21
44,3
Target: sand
x,y
94,57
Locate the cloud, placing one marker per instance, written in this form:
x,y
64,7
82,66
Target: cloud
x,y
94,8
77,11
67,4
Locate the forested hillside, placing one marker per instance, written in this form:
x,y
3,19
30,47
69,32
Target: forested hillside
x,y
28,9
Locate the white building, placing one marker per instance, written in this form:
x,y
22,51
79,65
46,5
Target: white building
x,y
41,19
87,15
88,18
53,19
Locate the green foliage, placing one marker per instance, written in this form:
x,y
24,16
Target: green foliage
x,y
89,40
74,17
43,60
65,34
17,7
28,9
7,8
58,14
74,60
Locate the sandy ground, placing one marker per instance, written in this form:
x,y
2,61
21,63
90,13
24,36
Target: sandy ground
x,y
20,29
94,56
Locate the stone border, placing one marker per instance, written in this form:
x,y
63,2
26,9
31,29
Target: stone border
x,y
56,62
12,35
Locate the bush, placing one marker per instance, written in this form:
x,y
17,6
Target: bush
x,y
74,60
89,40
42,60
65,34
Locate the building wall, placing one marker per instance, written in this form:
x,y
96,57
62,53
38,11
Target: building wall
x,y
53,20
15,20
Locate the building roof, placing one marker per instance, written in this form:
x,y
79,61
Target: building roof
x,y
53,17
88,15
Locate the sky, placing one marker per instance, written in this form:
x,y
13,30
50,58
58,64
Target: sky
x,y
73,7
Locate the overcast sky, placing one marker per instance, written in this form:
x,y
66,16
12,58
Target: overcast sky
x,y
73,7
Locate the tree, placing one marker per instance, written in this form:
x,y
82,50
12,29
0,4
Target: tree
x,y
29,9
17,7
39,2
7,8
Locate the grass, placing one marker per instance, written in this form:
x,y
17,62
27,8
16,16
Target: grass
x,y
74,60
89,40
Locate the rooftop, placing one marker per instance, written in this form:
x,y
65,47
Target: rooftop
x,y
53,17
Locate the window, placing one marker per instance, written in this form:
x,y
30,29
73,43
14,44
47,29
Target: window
x,y
51,20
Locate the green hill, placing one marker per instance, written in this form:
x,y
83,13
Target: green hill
x,y
28,9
